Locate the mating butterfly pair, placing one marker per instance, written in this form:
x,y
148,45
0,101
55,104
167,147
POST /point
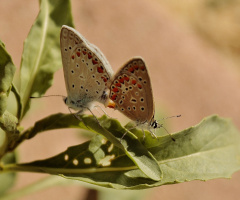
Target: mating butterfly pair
x,y
89,76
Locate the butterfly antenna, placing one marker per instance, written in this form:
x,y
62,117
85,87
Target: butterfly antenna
x,y
168,133
170,117
47,96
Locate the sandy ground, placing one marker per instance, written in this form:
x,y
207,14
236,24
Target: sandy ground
x,y
189,77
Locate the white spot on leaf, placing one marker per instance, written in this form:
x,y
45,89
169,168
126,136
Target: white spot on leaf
x,y
106,161
104,141
87,161
75,162
110,148
66,157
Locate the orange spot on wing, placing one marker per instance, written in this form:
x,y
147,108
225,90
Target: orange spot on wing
x,y
134,82
139,86
126,78
142,68
118,84
104,79
73,57
115,90
111,104
78,54
84,52
121,80
136,67
100,69
131,69
114,97
94,62
89,56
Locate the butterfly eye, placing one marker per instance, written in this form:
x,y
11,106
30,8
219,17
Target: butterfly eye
x,y
65,100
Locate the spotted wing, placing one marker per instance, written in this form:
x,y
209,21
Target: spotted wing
x,y
87,72
131,91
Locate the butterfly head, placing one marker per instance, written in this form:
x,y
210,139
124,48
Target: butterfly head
x,y
154,124
69,102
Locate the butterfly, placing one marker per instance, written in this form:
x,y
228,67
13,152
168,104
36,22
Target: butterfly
x,y
131,92
87,72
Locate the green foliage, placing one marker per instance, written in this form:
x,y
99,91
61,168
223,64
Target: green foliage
x,y
7,179
41,54
111,129
206,151
7,70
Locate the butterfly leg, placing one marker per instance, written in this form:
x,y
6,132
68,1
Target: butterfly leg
x,y
97,106
126,133
152,133
93,115
76,115
143,134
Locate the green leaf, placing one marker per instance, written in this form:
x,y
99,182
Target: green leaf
x,y
109,128
7,180
41,54
19,101
3,143
109,194
207,151
7,70
9,124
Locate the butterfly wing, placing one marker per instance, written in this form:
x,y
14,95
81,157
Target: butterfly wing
x,y
87,72
131,91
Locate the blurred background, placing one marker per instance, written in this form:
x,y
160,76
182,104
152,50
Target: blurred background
x,y
192,51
